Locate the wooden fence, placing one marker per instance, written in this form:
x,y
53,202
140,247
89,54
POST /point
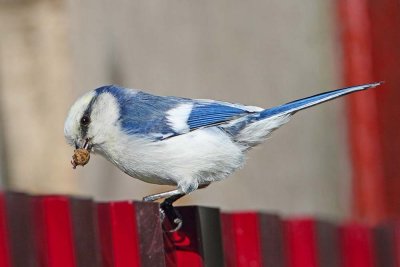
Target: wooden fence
x,y
63,231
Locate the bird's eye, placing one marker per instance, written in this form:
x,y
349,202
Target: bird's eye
x,y
85,120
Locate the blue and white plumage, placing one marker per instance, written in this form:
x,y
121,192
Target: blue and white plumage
x,y
176,141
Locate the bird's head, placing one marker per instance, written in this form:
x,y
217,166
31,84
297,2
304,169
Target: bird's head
x,y
92,119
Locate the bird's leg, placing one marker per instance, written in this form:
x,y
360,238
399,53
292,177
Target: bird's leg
x,y
170,211
166,207
168,194
162,195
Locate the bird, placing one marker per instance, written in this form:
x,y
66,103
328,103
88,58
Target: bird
x,y
169,140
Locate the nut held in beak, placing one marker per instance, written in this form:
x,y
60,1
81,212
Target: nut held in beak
x,y
81,157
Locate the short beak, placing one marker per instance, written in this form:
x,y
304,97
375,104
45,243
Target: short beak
x,y
85,144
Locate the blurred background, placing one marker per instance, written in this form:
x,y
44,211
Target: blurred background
x,y
262,53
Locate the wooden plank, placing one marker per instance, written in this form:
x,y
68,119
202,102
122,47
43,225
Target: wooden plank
x,y
252,239
301,243
118,234
397,243
198,242
85,232
21,229
356,244
150,233
5,260
385,245
53,231
130,234
242,239
328,247
311,242
272,240
228,240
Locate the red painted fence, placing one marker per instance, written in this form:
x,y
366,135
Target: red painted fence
x,y
57,231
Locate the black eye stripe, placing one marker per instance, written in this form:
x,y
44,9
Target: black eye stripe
x,y
85,119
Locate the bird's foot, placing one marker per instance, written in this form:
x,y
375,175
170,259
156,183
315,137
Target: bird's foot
x,y
168,211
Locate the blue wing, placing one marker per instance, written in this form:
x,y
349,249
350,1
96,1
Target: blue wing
x,y
153,116
207,113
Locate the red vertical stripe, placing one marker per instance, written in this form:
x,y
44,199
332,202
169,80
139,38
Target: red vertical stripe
x,y
4,245
247,239
242,239
301,244
59,227
356,243
118,234
125,238
385,29
364,131
53,231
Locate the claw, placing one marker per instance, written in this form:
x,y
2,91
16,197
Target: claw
x,y
178,223
162,215
168,211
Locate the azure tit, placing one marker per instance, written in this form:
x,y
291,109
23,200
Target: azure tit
x,y
182,142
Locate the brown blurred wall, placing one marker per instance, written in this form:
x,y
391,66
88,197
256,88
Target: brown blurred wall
x,y
254,52
35,90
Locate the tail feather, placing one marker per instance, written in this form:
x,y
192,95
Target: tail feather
x,y
294,106
255,129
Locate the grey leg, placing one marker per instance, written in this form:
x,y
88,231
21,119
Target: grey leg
x,y
162,195
168,194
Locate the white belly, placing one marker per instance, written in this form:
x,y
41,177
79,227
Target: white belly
x,y
198,157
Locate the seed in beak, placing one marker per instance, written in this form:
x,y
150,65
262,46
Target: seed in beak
x,y
81,157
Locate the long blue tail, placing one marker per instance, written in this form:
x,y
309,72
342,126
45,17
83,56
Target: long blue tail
x,y
294,106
